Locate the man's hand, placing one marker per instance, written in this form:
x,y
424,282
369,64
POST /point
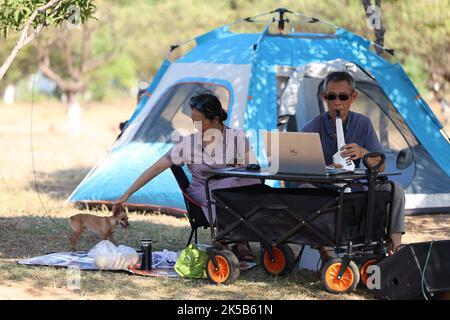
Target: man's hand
x,y
353,151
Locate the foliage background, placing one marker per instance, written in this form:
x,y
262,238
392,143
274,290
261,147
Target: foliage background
x,y
418,31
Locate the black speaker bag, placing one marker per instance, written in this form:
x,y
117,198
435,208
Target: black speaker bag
x,y
401,274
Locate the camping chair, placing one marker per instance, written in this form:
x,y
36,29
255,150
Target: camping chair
x,y
195,213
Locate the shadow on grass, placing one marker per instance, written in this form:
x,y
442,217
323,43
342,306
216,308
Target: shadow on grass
x,y
59,184
29,236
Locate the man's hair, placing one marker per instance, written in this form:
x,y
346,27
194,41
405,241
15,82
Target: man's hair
x,y
338,76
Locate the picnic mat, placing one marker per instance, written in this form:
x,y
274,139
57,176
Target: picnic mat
x,y
82,261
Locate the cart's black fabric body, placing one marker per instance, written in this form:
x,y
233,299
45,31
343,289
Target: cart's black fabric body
x,y
302,215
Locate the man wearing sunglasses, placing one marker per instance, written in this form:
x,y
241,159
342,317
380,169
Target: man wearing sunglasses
x,y
339,93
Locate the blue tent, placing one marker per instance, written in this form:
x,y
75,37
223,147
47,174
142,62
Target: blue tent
x,y
270,80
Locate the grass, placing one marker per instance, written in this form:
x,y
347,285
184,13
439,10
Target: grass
x,y
33,223
27,236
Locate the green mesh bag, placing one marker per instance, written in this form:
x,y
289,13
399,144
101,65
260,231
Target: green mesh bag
x,y
192,262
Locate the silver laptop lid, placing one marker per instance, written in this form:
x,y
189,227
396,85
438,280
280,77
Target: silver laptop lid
x,y
294,152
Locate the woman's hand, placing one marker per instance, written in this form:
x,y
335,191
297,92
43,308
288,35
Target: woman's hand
x,y
120,200
117,204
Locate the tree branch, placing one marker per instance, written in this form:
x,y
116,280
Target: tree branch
x,y
65,85
73,84
44,66
86,43
25,38
66,44
47,6
93,64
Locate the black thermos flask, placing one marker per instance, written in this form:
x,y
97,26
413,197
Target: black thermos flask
x,y
146,248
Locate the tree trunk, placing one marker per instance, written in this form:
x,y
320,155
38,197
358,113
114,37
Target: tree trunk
x,y
379,29
10,94
73,113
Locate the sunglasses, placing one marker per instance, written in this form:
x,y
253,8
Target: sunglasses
x,y
332,96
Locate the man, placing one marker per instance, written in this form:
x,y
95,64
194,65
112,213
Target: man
x,y
339,93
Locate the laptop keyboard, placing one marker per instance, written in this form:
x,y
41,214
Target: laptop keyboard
x,y
333,171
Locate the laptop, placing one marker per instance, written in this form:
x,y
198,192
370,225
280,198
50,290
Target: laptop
x,y
297,153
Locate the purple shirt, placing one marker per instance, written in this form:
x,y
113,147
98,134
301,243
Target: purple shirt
x,y
233,148
358,129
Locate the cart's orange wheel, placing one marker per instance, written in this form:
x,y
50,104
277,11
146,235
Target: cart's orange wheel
x,y
336,284
279,263
223,272
227,268
363,270
283,260
347,283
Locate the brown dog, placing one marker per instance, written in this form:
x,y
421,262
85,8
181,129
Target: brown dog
x,y
102,226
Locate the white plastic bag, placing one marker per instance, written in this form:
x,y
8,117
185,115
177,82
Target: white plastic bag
x,y
130,255
109,257
164,259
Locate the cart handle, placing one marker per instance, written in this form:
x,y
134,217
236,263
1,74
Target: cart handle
x,y
374,155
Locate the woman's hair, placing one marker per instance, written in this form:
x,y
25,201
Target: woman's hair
x,y
209,105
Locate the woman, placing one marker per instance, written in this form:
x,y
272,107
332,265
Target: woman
x,y
213,146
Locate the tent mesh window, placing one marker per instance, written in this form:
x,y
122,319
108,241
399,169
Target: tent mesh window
x,y
390,127
296,110
172,112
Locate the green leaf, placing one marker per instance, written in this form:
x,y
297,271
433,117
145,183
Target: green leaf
x,y
17,17
49,20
